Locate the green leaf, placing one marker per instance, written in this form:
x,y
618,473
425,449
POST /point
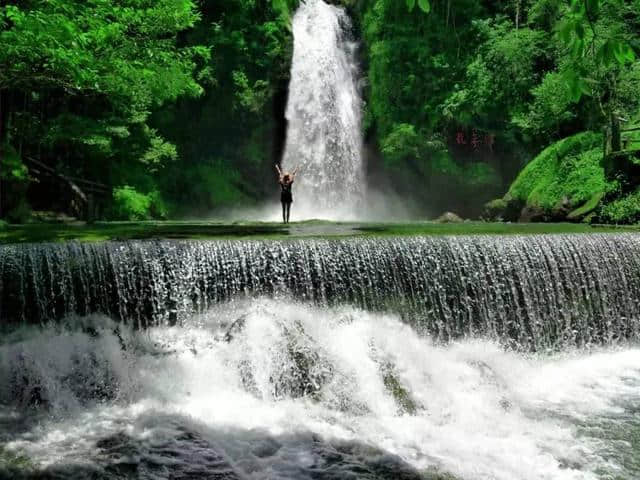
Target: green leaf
x,y
575,85
565,31
592,7
628,52
577,6
623,52
411,4
424,5
577,47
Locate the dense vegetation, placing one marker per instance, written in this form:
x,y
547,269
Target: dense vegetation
x,y
467,95
166,103
135,109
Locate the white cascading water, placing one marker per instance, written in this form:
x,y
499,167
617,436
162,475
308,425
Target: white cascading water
x,y
275,389
324,136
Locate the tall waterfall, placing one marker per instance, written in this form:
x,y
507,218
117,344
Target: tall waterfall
x,y
532,292
324,134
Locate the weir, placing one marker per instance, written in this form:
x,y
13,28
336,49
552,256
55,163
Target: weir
x,y
529,292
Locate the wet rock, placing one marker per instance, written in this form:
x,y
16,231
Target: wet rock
x,y
449,217
188,454
561,209
495,210
353,460
402,396
532,213
235,328
305,367
505,209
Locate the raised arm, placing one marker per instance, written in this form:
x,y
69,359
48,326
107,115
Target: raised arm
x,y
279,172
295,170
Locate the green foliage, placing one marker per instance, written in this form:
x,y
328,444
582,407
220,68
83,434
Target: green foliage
x,y
211,185
623,210
78,81
401,144
130,204
424,5
11,166
183,101
481,175
500,77
20,211
234,122
14,177
569,170
551,107
589,32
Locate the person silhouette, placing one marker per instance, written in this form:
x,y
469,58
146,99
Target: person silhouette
x,y
286,196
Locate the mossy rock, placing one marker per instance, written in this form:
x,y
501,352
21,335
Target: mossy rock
x,y
495,209
401,395
588,207
12,465
566,181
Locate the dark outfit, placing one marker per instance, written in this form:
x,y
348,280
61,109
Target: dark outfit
x,y
286,198
285,195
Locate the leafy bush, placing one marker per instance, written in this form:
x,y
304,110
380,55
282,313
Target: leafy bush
x,y
403,142
217,185
21,213
130,204
624,210
15,181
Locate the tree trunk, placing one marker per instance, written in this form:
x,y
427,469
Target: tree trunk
x,y
1,143
448,13
615,133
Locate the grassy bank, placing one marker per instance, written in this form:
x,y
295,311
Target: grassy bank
x,y
202,230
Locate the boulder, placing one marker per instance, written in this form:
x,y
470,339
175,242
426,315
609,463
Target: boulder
x,y
495,210
561,209
505,209
532,213
449,217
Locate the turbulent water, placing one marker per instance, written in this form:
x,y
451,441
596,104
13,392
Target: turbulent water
x,y
529,292
324,108
265,389
465,358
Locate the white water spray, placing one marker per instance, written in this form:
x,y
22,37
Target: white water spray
x,y
324,134
271,389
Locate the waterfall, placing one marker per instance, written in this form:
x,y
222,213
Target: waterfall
x,y
324,134
365,358
530,292
280,390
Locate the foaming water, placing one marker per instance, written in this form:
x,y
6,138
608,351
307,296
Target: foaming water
x,y
324,135
275,389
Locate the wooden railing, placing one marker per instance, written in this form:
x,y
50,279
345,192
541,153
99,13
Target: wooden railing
x,y
617,139
83,194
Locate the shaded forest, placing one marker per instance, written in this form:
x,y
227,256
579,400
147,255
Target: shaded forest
x,y
136,109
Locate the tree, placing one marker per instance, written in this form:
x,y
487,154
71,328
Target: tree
x,y
78,80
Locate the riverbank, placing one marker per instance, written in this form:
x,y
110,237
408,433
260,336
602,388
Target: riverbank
x,y
103,231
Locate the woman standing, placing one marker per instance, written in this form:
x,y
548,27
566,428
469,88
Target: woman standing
x,y
286,197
